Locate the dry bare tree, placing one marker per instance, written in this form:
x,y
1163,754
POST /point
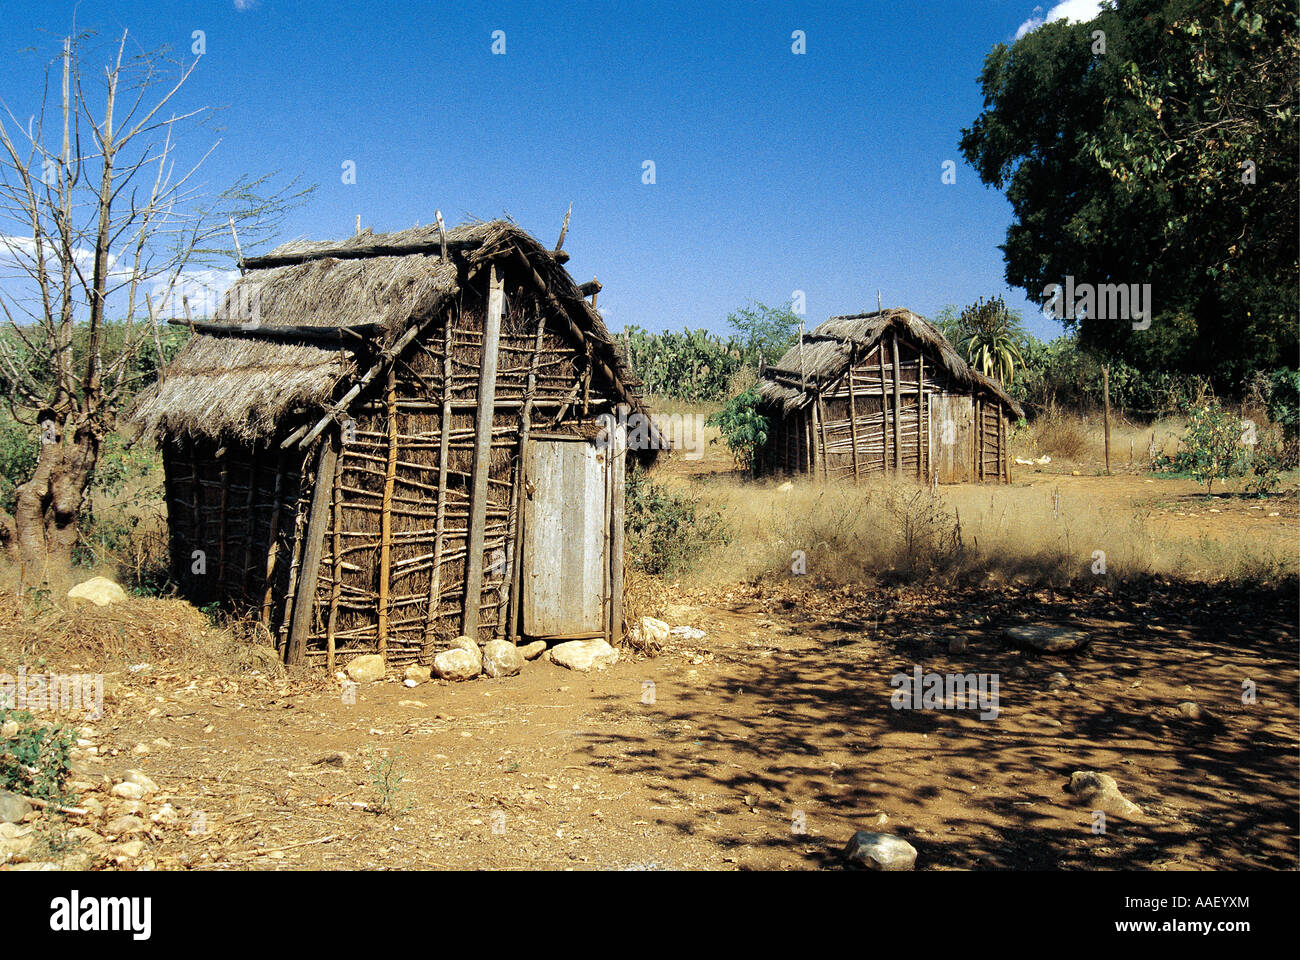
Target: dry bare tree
x,y
99,211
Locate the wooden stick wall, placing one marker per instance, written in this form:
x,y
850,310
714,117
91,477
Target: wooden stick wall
x,y
381,549
878,418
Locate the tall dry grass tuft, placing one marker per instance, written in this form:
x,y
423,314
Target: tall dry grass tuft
x,y
891,532
1075,438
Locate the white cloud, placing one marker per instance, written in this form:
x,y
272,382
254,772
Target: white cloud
x,y
242,5
1078,10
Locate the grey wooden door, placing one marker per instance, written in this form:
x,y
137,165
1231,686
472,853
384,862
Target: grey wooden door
x,y
953,429
566,555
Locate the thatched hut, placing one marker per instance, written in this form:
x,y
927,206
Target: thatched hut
x,y
386,441
883,393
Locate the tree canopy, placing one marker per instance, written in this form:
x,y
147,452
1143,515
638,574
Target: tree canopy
x,y
1155,144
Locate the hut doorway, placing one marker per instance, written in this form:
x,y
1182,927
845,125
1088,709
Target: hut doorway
x,y
953,435
569,554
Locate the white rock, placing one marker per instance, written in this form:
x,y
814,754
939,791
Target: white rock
x,y
531,651
13,807
130,850
1052,639
129,791
100,591
367,668
139,778
653,632
468,644
1101,792
418,674
126,824
501,658
457,664
880,851
584,654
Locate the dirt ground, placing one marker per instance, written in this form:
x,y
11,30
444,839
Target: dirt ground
x,y
763,744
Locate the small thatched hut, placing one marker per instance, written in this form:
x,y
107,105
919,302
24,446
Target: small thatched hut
x,y
879,393
389,440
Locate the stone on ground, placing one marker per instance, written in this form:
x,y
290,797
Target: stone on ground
x,y
418,673
367,668
880,851
141,780
458,664
501,658
13,807
468,644
100,591
654,632
1101,792
531,651
1048,638
583,655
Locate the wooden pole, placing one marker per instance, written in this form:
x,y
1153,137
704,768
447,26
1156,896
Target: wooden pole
x,y
898,400
336,558
617,467
517,507
434,603
309,566
853,416
273,541
386,511
482,455
249,524
1105,393
920,420
884,408
820,413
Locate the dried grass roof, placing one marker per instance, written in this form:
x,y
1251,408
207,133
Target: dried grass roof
x,y
828,349
244,386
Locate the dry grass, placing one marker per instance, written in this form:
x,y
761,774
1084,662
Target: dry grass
x,y
899,532
42,624
1079,439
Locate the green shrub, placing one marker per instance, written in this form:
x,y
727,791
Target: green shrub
x,y
667,532
1211,445
36,760
19,447
743,428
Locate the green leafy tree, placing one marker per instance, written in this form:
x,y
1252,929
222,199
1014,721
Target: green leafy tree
x,y
1170,159
743,428
765,331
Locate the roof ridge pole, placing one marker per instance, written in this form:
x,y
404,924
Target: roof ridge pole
x,y
482,455
239,254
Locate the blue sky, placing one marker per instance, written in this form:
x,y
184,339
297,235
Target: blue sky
x,y
774,172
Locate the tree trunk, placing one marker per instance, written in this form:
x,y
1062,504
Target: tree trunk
x,y
49,504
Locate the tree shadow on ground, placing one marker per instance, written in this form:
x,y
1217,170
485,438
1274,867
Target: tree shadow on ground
x,y
810,730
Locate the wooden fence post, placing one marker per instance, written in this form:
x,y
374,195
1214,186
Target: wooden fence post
x,y
309,568
482,455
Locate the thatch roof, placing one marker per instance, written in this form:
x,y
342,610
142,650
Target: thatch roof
x,y
827,351
243,386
